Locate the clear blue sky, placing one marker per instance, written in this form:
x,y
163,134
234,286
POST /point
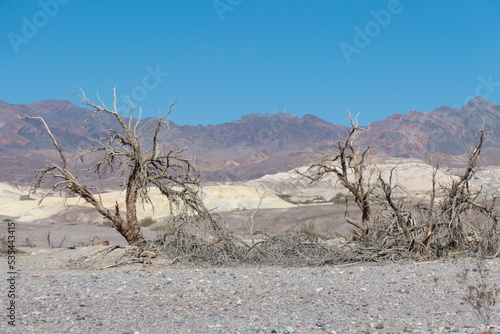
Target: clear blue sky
x,y
228,58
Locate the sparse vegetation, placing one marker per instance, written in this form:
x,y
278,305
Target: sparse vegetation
x,y
27,243
338,199
309,230
4,245
147,221
481,294
51,245
284,196
239,209
159,228
91,242
283,250
107,223
249,221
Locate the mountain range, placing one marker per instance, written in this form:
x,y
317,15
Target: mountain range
x,y
256,144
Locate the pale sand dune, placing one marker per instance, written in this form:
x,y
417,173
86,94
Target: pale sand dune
x,y
219,198
227,198
413,175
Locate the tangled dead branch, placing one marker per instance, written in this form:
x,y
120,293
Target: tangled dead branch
x,y
345,161
458,222
188,248
120,150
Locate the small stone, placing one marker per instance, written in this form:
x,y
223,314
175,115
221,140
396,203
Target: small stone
x,y
289,329
379,326
320,324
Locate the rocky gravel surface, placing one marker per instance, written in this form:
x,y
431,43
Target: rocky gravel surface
x,y
359,298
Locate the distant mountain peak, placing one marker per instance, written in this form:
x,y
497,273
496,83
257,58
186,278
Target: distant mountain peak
x,y
279,115
475,103
259,143
45,106
478,101
310,117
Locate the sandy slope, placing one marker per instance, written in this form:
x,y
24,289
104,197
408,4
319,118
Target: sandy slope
x,y
412,175
222,198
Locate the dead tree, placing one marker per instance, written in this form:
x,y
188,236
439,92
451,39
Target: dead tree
x,y
402,218
345,161
404,221
120,149
459,199
458,192
249,221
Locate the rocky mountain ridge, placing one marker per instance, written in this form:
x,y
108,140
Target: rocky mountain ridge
x,y
256,144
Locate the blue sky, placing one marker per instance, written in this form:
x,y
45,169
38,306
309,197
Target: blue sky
x,y
226,58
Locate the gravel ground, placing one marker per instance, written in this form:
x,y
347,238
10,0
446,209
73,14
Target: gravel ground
x,y
410,297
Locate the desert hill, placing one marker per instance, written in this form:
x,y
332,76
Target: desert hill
x,y
256,144
420,134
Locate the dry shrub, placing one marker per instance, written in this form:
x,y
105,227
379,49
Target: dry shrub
x,y
414,231
481,294
4,245
195,240
28,243
298,250
147,221
452,221
185,243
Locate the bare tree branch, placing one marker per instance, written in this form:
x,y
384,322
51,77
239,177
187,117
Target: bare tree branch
x,y
120,149
343,162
